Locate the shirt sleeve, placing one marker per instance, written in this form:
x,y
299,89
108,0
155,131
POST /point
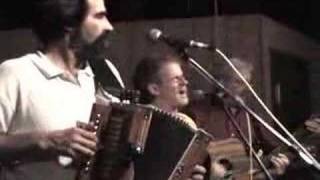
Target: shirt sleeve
x,y
8,95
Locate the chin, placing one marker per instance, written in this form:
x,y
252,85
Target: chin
x,y
184,102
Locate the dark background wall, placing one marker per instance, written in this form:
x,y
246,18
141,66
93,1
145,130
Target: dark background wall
x,y
301,15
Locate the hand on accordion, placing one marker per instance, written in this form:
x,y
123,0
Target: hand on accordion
x,y
198,173
75,142
313,124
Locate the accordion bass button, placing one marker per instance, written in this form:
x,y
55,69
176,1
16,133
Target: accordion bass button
x,y
138,150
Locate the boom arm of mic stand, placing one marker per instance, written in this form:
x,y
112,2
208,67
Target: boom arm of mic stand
x,y
301,153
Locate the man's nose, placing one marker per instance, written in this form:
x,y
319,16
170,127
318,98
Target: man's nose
x,y
107,25
184,81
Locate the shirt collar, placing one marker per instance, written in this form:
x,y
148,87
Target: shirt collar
x,y
50,70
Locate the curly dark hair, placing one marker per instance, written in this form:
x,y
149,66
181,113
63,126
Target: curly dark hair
x,y
147,71
51,18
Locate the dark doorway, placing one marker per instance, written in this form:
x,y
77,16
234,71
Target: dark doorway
x,y
290,88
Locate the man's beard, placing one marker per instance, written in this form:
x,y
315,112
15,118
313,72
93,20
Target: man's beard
x,y
95,54
93,51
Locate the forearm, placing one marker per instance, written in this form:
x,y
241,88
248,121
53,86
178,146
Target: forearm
x,y
73,142
23,146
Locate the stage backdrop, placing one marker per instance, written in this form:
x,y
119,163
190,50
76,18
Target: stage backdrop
x,y
287,71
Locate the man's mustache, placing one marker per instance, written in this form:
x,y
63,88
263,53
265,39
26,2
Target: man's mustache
x,y
97,48
103,41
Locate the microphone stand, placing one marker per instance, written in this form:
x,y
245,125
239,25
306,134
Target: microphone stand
x,y
304,154
247,143
214,81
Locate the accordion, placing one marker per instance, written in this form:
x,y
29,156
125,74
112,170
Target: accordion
x,y
172,149
161,145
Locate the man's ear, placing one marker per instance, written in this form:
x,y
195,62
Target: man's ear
x,y
67,33
153,89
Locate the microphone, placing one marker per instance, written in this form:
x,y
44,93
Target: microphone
x,y
199,95
157,35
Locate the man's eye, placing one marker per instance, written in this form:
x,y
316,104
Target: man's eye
x,y
101,15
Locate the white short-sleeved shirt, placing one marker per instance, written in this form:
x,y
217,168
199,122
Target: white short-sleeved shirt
x,y
35,95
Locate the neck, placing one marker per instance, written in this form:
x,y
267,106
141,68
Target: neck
x,y
165,106
63,56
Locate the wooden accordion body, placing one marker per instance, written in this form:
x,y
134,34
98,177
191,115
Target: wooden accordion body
x,y
161,145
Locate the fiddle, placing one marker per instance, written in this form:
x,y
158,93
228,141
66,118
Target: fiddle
x,y
229,157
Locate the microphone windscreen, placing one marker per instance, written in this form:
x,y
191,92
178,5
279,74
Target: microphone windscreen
x,y
155,34
197,94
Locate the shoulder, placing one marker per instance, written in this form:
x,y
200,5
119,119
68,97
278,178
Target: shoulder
x,y
187,120
17,66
